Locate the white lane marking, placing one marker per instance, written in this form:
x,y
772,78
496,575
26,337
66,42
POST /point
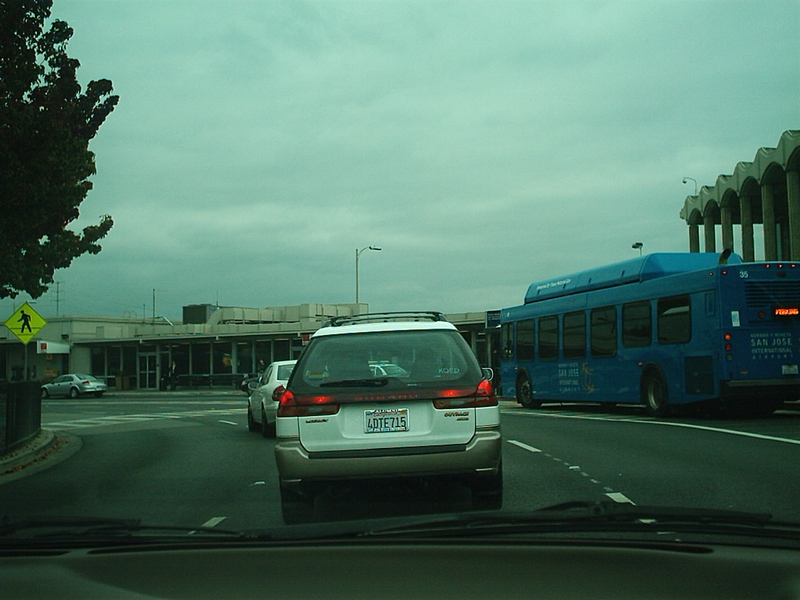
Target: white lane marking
x,y
230,423
121,419
615,496
524,446
213,522
759,436
620,497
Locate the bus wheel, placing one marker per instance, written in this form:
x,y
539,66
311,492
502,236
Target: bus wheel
x,y
654,390
525,393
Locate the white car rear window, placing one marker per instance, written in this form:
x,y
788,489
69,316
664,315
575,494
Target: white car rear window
x,y
396,358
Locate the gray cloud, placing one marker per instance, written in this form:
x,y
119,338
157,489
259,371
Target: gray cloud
x,y
482,145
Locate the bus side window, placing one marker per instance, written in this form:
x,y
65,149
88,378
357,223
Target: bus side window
x,y
604,332
507,341
637,324
526,339
548,338
674,320
574,341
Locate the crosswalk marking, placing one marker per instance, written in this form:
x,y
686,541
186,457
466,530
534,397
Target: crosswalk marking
x,y
137,418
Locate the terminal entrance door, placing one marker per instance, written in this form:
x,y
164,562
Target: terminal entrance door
x,y
147,371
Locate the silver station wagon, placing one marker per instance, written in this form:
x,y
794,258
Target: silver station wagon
x,y
385,396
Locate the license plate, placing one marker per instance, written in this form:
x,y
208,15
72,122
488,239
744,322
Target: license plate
x,y
789,369
385,420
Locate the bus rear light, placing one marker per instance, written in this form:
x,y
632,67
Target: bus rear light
x,y
728,346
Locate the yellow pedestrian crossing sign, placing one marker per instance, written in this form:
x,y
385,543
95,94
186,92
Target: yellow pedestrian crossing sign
x,y
25,323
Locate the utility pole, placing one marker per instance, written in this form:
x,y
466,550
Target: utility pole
x,y
58,296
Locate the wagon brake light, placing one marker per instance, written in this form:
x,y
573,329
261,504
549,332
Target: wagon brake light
x,y
481,396
292,405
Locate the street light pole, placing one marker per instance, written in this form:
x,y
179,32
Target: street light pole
x,y
358,253
638,246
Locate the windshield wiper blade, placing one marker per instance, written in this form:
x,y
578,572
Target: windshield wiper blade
x,y
376,382
589,516
622,512
79,527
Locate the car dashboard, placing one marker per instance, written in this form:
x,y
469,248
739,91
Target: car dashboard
x,y
405,569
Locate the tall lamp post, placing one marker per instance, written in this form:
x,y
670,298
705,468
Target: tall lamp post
x,y
638,246
358,253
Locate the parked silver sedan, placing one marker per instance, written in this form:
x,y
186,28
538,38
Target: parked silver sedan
x,y
74,385
262,405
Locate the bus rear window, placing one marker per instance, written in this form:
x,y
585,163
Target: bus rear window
x,y
674,320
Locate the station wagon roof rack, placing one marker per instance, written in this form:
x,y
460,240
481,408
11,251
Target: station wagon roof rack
x,y
384,317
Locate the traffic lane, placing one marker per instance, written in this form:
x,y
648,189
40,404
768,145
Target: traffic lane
x,y
648,461
184,472
192,468
205,467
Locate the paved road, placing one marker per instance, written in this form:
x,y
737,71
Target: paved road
x,y
190,461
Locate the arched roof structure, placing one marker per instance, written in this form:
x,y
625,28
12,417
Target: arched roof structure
x,y
766,190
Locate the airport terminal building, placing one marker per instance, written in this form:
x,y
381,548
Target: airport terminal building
x,y
211,347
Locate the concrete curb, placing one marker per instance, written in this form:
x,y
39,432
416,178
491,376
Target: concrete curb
x,y
27,453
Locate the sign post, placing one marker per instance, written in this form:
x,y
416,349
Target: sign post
x,y
25,323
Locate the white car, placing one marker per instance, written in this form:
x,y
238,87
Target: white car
x,y
74,385
262,403
387,395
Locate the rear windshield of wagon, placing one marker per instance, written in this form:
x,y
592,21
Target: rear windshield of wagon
x,y
389,359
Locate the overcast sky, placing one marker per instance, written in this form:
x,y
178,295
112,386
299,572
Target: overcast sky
x,y
482,145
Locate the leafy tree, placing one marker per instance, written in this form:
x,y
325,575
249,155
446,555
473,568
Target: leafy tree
x,y
46,122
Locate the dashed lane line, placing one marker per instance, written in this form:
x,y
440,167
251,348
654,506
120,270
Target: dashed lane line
x,y
212,522
524,446
609,492
619,497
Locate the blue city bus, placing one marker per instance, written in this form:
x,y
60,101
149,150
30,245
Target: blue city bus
x,y
662,330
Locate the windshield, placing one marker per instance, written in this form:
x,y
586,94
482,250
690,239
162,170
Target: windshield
x,y
236,176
